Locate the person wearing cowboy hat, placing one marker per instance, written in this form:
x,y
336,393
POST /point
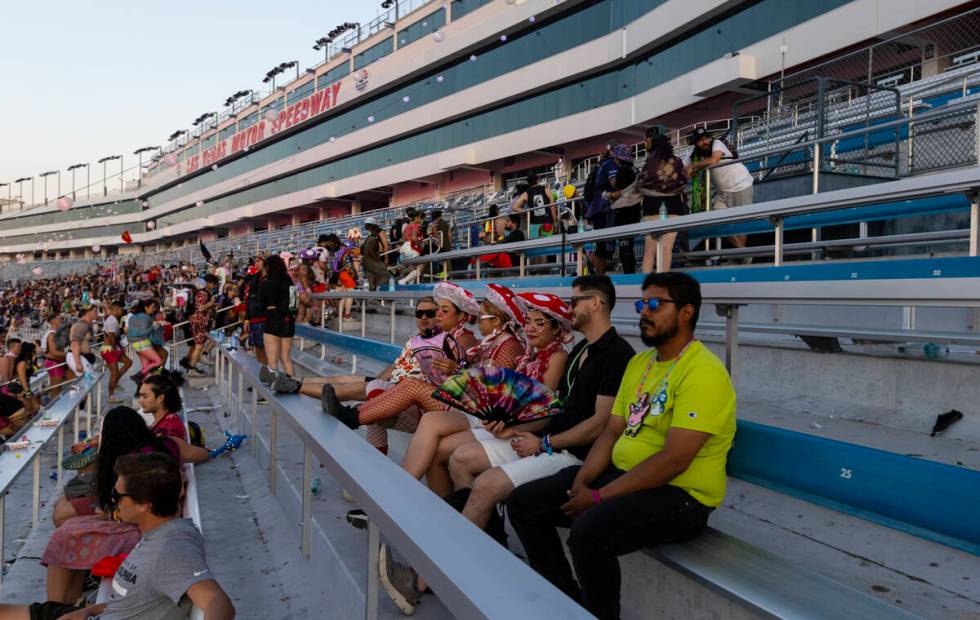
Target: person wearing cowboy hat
x,y
375,269
456,307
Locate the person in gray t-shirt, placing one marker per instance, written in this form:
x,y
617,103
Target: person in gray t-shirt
x,y
166,573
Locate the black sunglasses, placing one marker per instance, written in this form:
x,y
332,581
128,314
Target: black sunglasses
x,y
116,495
574,300
429,314
652,304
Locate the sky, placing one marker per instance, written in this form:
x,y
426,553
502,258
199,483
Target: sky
x,y
88,78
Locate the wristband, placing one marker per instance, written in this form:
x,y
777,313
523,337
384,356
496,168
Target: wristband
x,y
546,444
596,498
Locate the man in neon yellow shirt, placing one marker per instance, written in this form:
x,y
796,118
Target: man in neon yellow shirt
x,y
657,471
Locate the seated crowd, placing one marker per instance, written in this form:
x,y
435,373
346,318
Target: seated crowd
x,y
635,456
118,515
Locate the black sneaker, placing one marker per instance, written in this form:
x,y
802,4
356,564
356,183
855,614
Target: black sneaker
x,y
267,375
332,406
357,518
284,384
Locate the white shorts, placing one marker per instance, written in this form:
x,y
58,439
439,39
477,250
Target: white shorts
x,y
377,384
521,470
70,360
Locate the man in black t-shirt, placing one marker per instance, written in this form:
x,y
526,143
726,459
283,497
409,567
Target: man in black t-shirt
x,y
536,199
494,468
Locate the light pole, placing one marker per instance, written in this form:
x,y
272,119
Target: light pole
x,y
323,43
20,189
139,171
88,186
103,161
45,175
9,201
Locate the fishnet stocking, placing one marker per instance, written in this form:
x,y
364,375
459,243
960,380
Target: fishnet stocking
x,y
406,422
408,392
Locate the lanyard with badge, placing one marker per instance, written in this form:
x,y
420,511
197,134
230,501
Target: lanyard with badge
x,y
650,403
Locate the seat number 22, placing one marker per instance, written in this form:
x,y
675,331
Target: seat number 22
x,y
845,473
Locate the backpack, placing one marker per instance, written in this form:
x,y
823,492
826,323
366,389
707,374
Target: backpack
x,y
63,335
724,140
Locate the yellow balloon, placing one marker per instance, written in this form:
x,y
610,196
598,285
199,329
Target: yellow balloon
x,y
569,191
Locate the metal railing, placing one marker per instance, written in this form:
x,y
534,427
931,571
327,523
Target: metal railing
x,y
14,460
474,576
966,180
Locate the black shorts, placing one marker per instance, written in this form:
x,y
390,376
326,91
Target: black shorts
x,y
50,610
280,326
675,205
627,215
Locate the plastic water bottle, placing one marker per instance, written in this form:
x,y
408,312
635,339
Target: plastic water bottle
x,y
236,339
391,284
315,487
927,350
663,211
366,286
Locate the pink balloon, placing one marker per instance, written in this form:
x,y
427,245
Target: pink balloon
x,y
151,225
170,160
64,203
199,203
271,115
96,248
37,271
21,261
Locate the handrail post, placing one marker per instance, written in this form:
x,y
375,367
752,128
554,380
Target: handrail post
x,y
730,312
974,222
251,424
88,415
778,253
523,264
75,421
98,406
239,404
364,317
307,523
36,506
371,591
273,451
61,450
391,323
816,169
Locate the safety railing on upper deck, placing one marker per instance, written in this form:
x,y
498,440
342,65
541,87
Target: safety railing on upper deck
x,y
966,180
